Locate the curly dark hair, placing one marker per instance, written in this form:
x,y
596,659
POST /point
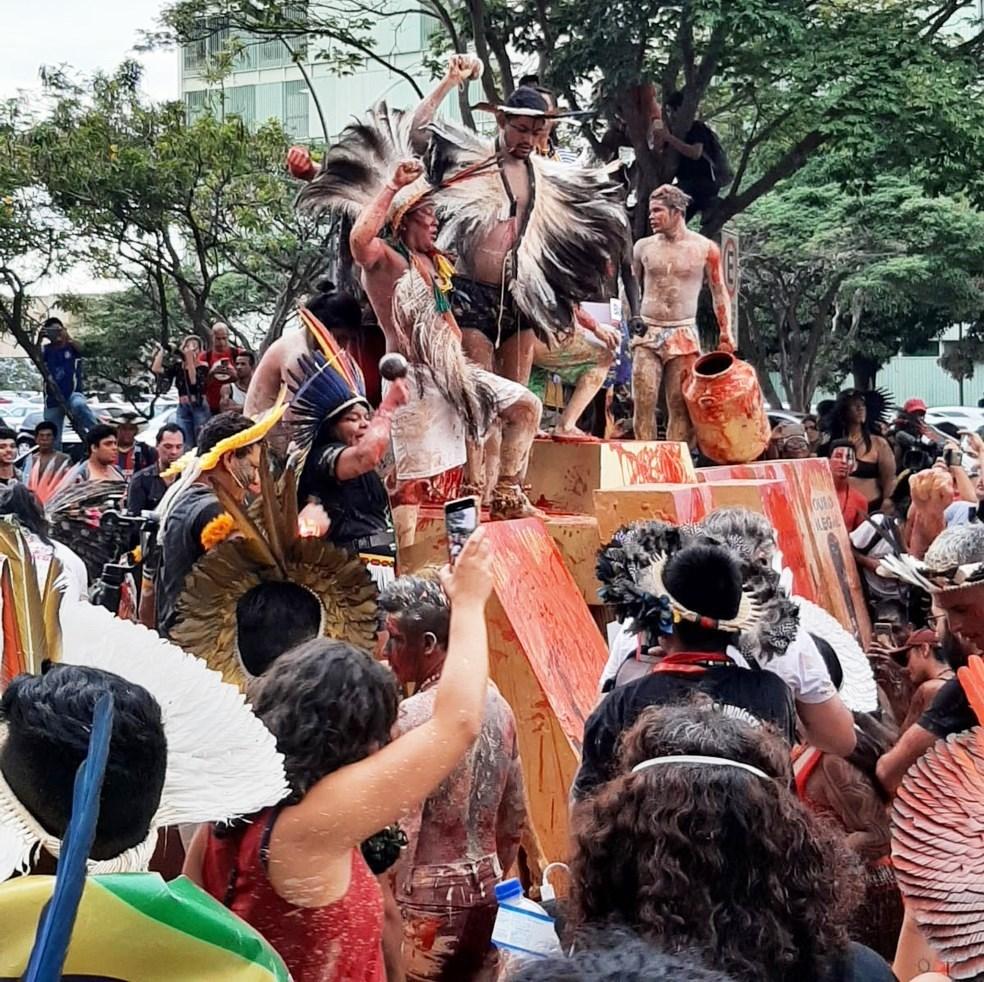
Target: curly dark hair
x,y
618,956
329,705
715,858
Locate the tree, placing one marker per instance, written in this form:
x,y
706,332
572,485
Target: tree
x,y
828,273
195,215
33,244
889,83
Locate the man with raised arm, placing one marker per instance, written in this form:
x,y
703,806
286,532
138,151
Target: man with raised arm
x,y
407,282
671,266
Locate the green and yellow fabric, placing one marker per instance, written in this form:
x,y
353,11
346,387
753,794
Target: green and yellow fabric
x,y
134,927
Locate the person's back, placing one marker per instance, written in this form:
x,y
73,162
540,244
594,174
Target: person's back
x,y
461,841
181,546
459,821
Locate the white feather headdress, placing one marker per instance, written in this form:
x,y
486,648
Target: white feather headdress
x,y
222,762
858,690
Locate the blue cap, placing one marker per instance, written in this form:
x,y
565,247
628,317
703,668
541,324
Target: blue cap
x,y
508,890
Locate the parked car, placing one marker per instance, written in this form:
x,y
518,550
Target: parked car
x,y
963,417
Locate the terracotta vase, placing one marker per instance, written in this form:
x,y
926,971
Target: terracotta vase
x,y
725,402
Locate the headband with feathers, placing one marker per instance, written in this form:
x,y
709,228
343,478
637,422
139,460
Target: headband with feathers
x,y
624,568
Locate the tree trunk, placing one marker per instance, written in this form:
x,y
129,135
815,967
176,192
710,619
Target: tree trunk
x,y
864,371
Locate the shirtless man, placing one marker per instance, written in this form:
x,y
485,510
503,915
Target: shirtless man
x,y
494,333
280,359
467,833
671,265
401,287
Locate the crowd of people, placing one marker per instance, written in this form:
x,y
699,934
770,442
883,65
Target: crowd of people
x,y
747,803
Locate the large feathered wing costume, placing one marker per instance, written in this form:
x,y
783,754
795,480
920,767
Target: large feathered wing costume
x,y
222,761
576,231
938,840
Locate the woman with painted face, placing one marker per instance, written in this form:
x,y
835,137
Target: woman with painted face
x,y
843,461
853,418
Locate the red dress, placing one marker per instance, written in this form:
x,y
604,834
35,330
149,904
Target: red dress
x,y
340,942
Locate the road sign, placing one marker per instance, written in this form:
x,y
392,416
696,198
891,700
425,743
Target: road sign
x,y
731,270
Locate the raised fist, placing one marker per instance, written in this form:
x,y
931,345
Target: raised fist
x,y
464,68
407,172
300,164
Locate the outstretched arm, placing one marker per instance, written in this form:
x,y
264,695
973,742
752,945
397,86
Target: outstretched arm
x,y
461,69
721,297
368,249
350,804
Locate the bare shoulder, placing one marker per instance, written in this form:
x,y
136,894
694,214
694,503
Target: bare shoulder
x,y
709,246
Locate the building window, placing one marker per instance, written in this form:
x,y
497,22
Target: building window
x,y
198,103
240,101
296,106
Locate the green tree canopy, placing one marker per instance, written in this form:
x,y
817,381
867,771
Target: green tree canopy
x,y
828,273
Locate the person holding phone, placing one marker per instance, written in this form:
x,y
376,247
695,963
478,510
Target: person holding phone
x,y
184,370
295,872
220,360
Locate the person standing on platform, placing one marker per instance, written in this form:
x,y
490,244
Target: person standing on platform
x,y
467,833
671,266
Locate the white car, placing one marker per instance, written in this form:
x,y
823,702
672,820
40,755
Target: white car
x,y
963,417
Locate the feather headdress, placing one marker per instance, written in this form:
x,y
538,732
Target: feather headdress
x,y
29,608
858,690
937,836
361,161
321,390
222,762
270,548
955,561
576,230
627,570
79,514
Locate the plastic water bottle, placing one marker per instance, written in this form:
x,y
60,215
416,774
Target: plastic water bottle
x,y
523,929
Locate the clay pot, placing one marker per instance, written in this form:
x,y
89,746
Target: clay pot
x,y
725,402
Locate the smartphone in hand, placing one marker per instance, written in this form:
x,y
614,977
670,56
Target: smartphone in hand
x,y
461,518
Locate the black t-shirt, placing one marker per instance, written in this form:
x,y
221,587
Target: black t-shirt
x,y
760,693
182,547
949,712
193,389
358,508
